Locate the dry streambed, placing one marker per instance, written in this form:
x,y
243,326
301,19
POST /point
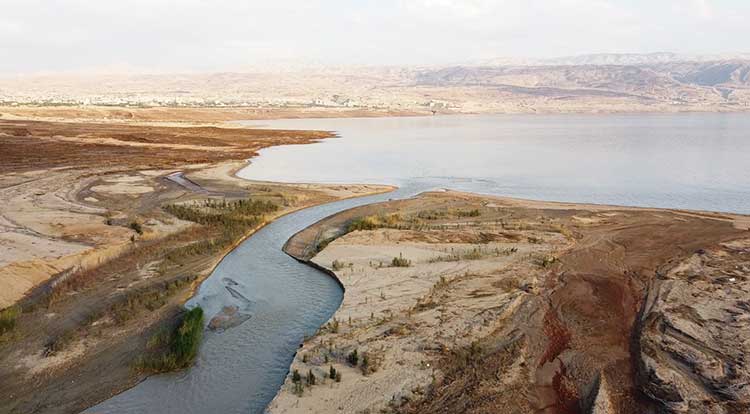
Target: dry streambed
x,y
458,303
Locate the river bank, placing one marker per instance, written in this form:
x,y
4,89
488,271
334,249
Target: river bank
x,y
93,268
467,303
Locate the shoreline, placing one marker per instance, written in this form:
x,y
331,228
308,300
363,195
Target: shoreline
x,y
222,176
357,394
194,289
96,200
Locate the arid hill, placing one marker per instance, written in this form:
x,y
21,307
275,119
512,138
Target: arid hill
x,y
619,83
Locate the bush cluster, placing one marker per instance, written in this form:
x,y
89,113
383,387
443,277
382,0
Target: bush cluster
x,y
183,345
400,261
8,318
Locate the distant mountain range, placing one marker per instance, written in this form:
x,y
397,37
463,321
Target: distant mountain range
x,y
657,82
619,59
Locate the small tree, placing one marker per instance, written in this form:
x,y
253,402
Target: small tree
x,y
296,377
332,372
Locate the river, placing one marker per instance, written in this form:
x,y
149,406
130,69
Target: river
x,y
694,161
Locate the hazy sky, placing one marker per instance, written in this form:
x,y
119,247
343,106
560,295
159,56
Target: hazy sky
x,y
63,35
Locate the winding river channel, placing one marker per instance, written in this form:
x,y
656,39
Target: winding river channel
x,y
240,370
681,161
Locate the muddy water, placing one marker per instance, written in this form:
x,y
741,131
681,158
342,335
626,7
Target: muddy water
x,y
696,161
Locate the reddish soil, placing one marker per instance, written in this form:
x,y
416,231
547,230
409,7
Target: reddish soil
x,y
29,145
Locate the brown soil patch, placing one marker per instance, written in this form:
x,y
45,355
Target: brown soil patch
x,y
29,145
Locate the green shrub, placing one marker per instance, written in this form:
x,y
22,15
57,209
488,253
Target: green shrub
x,y
353,358
337,265
230,219
468,213
183,345
8,318
213,212
324,243
297,381
188,337
400,261
332,373
310,378
363,223
334,326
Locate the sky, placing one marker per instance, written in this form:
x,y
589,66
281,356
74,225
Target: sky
x,y
214,35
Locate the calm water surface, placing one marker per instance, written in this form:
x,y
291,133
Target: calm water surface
x,y
697,161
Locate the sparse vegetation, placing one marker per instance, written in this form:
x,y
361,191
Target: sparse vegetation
x,y
400,261
136,227
337,265
146,299
370,362
333,326
475,253
432,214
468,213
374,222
332,373
545,261
58,343
230,219
324,243
8,319
364,223
310,378
353,358
365,367
222,212
297,381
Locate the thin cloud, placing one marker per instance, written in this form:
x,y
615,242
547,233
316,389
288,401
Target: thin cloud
x,y
65,35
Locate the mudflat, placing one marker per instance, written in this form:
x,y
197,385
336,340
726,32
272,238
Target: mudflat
x,y
476,304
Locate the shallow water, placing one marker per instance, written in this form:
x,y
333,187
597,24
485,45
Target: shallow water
x,y
687,161
240,370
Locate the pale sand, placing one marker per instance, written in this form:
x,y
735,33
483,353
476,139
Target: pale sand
x,y
399,341
45,230
407,319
